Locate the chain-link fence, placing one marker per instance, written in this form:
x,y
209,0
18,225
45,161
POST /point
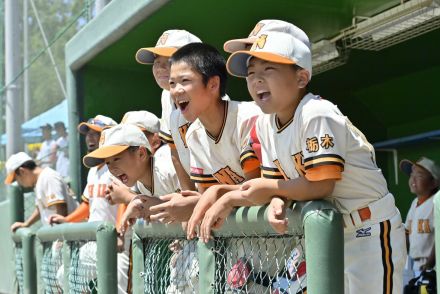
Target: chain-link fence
x,y
245,256
25,268
82,269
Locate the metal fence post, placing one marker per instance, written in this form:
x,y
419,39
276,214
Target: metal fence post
x,y
206,256
138,264
17,203
323,230
29,265
107,259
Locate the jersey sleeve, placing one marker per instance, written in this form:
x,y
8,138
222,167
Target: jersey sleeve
x,y
323,144
55,191
248,158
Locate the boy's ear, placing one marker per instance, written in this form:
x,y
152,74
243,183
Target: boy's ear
x,y
142,152
303,78
214,83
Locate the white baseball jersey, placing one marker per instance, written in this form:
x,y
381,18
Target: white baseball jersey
x,y
98,179
320,143
168,106
178,128
62,164
50,190
45,153
164,178
420,224
228,157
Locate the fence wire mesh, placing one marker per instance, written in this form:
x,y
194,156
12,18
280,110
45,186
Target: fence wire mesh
x,y
259,265
52,267
247,264
82,267
19,266
171,266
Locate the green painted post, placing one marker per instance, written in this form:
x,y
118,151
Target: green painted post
x,y
137,252
17,203
107,259
29,264
206,267
437,223
324,237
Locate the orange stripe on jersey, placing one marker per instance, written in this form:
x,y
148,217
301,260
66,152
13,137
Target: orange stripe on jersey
x,y
271,173
324,159
206,185
166,137
247,155
250,164
324,172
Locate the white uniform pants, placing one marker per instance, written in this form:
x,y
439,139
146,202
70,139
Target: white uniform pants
x,y
375,255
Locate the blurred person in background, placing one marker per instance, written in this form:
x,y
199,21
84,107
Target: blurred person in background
x,y
44,158
60,151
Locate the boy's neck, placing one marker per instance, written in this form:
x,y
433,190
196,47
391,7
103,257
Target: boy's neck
x,y
212,118
146,178
422,198
36,174
287,114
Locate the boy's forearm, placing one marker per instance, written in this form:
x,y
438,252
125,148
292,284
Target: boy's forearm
x,y
300,189
35,216
235,199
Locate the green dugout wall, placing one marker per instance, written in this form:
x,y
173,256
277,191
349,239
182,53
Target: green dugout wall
x,y
388,94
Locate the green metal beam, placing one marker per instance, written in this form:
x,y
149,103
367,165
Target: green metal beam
x,y
69,232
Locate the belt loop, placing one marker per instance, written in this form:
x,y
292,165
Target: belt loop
x,y
347,221
356,218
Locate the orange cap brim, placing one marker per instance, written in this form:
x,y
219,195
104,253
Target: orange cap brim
x,y
99,155
234,63
10,178
161,51
82,130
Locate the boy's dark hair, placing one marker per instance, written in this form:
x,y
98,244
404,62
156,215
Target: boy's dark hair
x,y
30,165
204,59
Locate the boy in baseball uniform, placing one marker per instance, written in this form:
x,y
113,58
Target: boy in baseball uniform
x,y
424,175
310,150
158,56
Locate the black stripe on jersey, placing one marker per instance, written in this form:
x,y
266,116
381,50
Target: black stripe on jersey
x,y
246,155
324,159
282,128
387,253
166,137
271,173
200,178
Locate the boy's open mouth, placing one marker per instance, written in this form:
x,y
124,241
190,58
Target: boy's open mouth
x,y
183,104
123,178
263,95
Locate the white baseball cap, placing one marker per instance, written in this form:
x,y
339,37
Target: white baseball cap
x,y
263,27
145,120
167,44
13,163
426,163
114,141
274,47
97,123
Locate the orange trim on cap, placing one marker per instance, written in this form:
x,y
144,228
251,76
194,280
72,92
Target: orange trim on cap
x,y
161,51
104,152
324,172
90,126
268,56
10,178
